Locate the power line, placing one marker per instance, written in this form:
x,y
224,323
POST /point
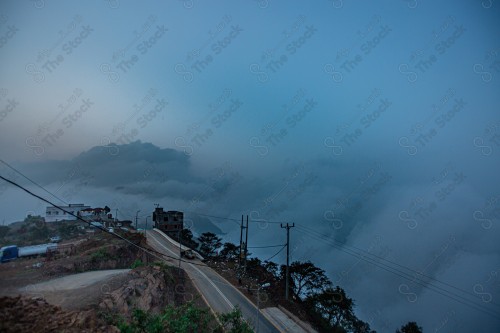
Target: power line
x,y
414,279
265,247
275,253
213,216
233,219
343,247
387,268
415,272
32,181
153,253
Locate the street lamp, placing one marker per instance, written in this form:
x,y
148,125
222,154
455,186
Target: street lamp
x,y
136,213
265,285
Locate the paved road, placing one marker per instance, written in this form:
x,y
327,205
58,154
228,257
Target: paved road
x,y
220,295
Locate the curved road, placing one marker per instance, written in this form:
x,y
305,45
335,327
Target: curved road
x,y
220,294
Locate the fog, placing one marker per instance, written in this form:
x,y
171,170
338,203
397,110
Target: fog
x,y
372,127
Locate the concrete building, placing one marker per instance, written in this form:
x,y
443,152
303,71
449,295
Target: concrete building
x,y
53,214
169,222
95,214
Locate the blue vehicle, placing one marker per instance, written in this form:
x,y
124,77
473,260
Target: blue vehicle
x,y
11,252
7,253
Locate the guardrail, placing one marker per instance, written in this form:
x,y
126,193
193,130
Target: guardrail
x,y
176,244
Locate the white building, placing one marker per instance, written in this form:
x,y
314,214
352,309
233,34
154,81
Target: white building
x,y
53,214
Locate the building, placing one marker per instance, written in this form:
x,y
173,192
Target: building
x,y
95,214
169,222
53,214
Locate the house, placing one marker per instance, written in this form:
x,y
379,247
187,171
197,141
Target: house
x,y
53,214
169,222
95,214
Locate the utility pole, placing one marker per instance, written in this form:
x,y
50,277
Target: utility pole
x,y
116,215
243,248
287,256
246,245
136,213
241,240
180,249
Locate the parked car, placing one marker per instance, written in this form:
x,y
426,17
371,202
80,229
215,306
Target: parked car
x,y
188,254
55,239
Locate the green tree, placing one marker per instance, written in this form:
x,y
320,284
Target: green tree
x,y
271,268
334,306
333,311
230,251
186,318
186,235
33,218
210,243
187,239
233,322
142,322
410,327
305,278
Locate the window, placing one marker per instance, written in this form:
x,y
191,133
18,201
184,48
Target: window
x,y
48,213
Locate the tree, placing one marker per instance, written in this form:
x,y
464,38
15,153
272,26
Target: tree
x,y
233,322
210,243
186,318
186,238
333,311
186,235
334,306
410,327
271,268
360,326
305,278
230,251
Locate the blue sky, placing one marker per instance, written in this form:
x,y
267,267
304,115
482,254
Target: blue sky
x,y
364,112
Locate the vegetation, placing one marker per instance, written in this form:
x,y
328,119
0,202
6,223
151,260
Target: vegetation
x,y
410,327
305,279
137,263
210,243
187,239
34,219
233,322
184,319
326,306
66,230
100,255
230,252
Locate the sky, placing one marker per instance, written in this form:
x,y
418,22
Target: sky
x,y
375,125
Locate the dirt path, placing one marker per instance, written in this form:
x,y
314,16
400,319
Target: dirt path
x,y
75,281
77,291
